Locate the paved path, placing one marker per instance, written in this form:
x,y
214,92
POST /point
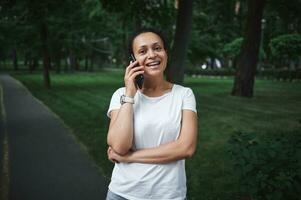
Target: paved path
x,y
45,162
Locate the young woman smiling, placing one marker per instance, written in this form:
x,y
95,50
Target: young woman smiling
x,y
152,128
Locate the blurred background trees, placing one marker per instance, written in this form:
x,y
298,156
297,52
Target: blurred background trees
x,y
88,35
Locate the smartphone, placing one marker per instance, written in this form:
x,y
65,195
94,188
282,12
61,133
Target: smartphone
x,y
139,78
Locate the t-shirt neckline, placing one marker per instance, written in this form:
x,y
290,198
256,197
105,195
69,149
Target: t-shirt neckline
x,y
158,97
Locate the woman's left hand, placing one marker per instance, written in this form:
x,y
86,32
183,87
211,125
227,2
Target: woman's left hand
x,y
115,157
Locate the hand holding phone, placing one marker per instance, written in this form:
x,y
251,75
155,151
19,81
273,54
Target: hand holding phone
x,y
139,78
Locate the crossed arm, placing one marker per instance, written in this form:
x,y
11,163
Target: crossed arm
x,y
120,139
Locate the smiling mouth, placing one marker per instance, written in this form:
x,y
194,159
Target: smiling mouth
x,y
152,64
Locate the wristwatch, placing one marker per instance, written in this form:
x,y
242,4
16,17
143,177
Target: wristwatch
x,y
124,99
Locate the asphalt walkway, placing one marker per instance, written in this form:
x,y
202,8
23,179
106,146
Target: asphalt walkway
x,y
45,162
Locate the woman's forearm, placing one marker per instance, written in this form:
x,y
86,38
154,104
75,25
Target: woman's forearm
x,y
120,135
166,153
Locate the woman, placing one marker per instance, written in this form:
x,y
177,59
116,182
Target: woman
x,y
152,129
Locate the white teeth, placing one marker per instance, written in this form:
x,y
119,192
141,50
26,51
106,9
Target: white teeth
x,y
153,63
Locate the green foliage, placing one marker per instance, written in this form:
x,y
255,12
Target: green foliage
x,y
282,17
232,49
79,26
214,23
268,167
91,29
203,46
286,46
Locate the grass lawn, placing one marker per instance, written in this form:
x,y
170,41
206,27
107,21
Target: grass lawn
x,y
82,99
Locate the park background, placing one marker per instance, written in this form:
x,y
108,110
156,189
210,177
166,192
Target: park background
x,y
241,58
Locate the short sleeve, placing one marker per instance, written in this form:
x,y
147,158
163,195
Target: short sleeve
x,y
189,102
115,101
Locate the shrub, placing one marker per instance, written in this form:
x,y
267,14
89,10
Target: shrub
x,y
286,46
267,167
280,74
210,72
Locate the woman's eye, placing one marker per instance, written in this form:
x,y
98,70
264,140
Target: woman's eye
x,y
142,52
158,48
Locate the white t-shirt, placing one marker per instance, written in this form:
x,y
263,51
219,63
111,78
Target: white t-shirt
x,y
157,120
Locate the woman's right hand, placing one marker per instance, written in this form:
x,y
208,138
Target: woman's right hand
x,y
129,78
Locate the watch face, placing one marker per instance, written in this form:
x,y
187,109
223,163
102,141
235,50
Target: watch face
x,y
122,99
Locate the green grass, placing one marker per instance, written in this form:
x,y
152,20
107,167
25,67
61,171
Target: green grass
x,y
1,146
82,99
4,171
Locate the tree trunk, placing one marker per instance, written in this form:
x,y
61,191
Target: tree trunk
x,y
30,61
67,61
175,71
33,63
92,61
46,60
73,62
27,58
247,61
86,62
25,61
50,63
211,64
125,54
234,63
77,63
58,64
15,59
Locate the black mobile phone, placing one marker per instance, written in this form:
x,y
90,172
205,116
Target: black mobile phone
x,y
138,79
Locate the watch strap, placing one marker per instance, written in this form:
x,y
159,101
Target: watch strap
x,y
126,99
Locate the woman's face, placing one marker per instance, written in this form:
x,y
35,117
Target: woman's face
x,y
148,49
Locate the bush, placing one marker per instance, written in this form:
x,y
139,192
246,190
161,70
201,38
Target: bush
x,y
210,72
280,74
267,167
286,46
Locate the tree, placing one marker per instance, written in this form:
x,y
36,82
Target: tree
x,y
45,52
247,62
34,13
45,28
8,41
175,71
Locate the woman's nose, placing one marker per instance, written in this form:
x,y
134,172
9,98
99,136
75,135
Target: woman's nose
x,y
151,54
